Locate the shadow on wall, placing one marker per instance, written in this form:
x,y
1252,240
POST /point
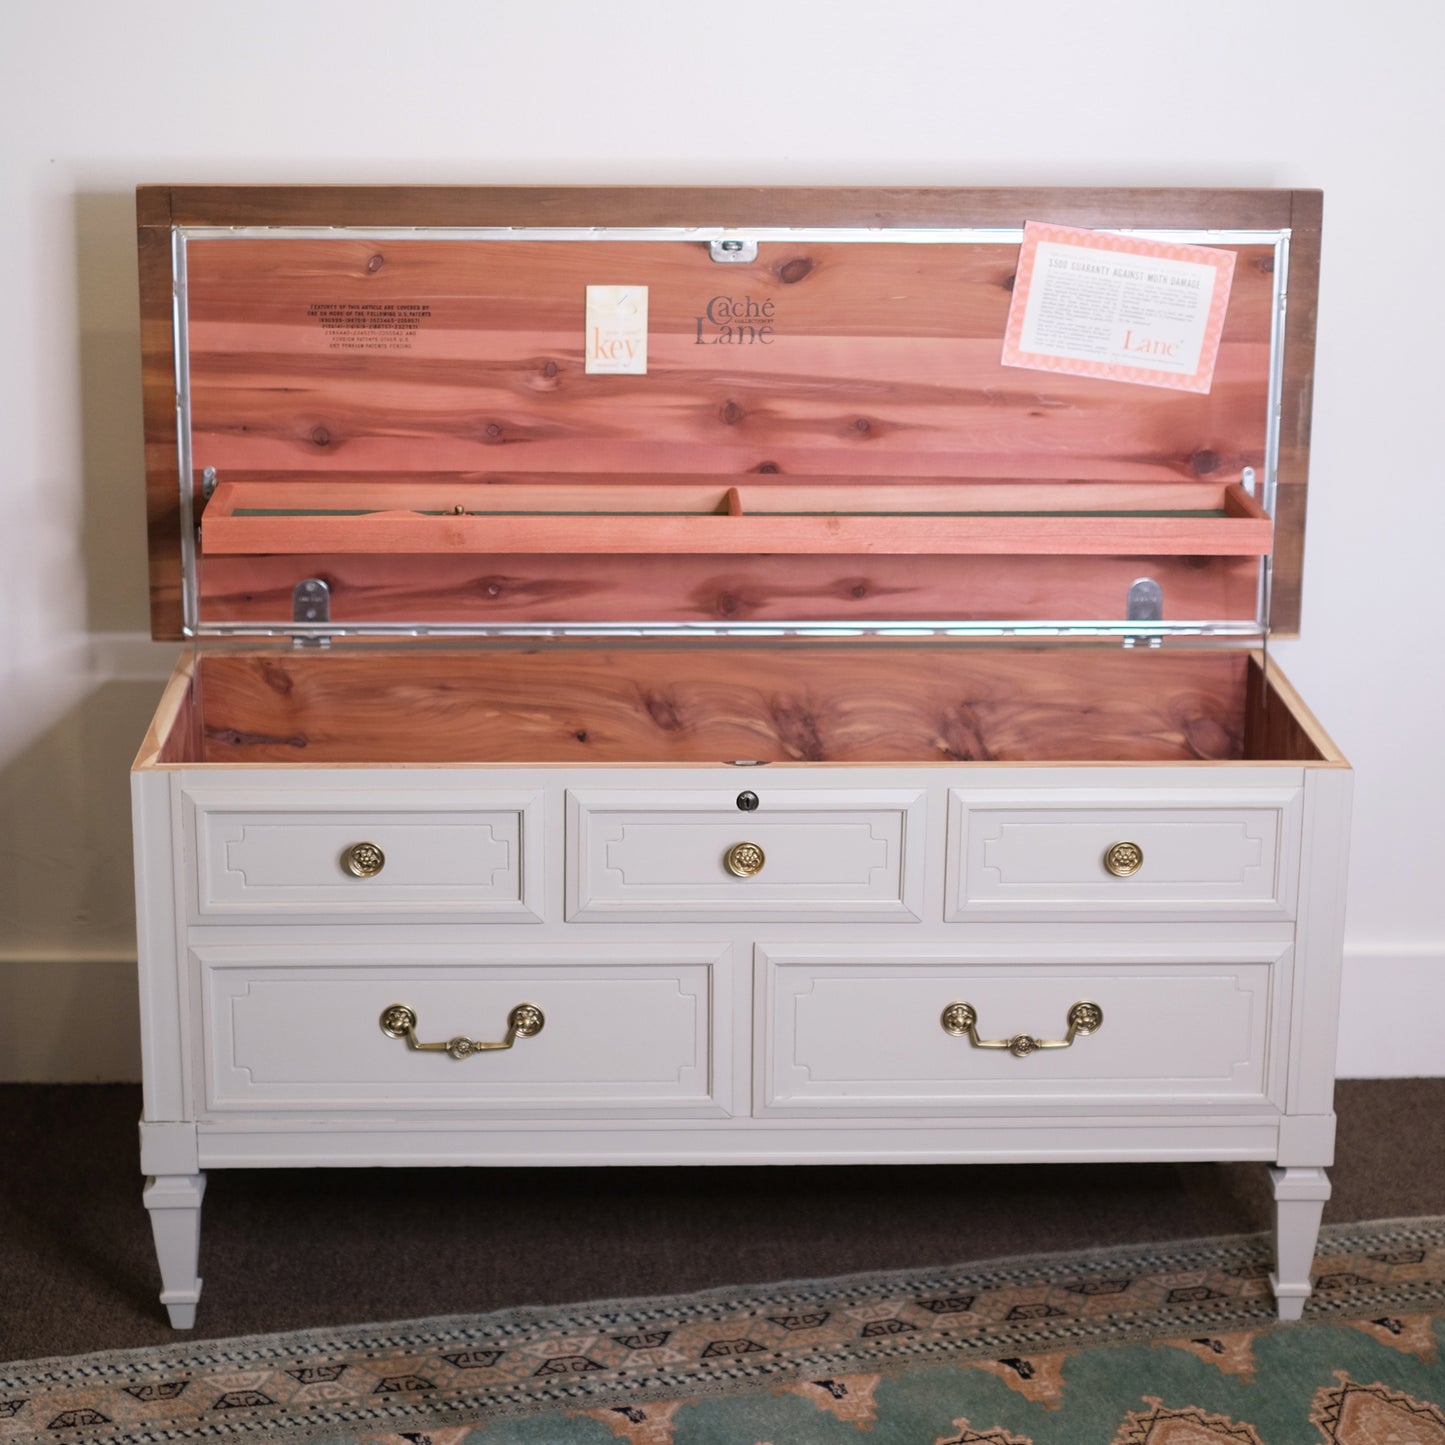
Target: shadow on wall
x,y
67,943
113,528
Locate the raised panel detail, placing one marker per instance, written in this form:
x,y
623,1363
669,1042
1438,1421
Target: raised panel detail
x,y
1207,852
819,854
454,853
627,1030
847,1030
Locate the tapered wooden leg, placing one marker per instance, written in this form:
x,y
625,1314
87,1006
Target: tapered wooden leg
x,y
1299,1202
174,1201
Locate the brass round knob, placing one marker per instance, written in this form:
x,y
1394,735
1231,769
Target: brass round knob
x,y
1086,1018
744,860
363,860
1123,859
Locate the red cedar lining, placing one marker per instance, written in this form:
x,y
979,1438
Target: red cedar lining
x,y
793,703
898,380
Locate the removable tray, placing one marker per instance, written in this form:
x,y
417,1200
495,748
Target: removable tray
x,y
861,518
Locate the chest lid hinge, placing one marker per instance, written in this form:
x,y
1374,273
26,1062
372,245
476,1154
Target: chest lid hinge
x,y
311,603
1144,602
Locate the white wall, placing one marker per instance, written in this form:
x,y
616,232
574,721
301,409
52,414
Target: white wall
x,y
95,97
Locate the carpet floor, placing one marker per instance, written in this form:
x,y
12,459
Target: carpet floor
x,y
1171,1345
299,1249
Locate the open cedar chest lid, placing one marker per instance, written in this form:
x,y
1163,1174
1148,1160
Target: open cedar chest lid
x,y
379,403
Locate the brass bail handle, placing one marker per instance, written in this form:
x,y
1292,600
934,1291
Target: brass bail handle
x,y
399,1022
961,1021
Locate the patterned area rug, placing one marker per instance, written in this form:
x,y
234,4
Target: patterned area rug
x,y
1166,1345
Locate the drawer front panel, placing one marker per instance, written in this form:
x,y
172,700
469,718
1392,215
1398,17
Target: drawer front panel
x,y
849,1032
822,855
1204,853
639,1030
453,854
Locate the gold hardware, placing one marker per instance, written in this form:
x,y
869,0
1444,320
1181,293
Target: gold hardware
x,y
399,1022
363,860
961,1020
1122,859
744,860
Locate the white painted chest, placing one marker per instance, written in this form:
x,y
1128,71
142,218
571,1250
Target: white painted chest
x,y
826,744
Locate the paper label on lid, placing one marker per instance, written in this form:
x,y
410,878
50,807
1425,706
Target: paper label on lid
x,y
1120,308
616,340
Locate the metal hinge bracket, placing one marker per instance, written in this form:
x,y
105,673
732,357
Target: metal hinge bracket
x,y
311,602
733,249
1144,603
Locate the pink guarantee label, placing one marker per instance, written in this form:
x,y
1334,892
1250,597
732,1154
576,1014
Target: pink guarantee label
x,y
1119,308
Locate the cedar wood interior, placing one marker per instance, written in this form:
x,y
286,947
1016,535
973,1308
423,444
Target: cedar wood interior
x,y
720,703
273,407
884,374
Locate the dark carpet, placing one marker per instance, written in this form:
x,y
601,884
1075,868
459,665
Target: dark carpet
x,y
293,1249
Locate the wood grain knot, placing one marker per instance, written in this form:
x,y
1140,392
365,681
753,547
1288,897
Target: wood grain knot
x,y
234,737
1204,733
277,678
663,711
549,370
375,263
1008,281
492,431
768,469
797,730
858,590
1266,265
791,272
1204,461
321,436
961,736
863,426
731,413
